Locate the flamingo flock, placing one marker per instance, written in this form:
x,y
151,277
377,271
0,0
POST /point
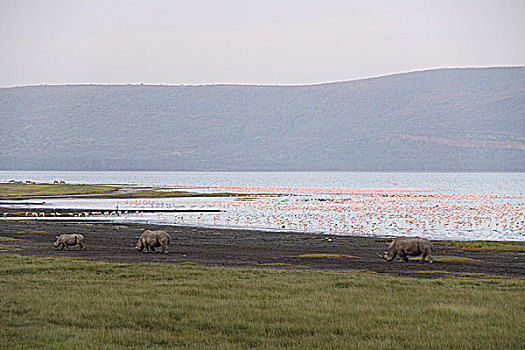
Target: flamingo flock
x,y
428,212
431,213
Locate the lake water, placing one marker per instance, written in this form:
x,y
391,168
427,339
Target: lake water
x,y
473,183
434,205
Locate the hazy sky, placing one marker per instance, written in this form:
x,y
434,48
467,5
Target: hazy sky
x,y
250,42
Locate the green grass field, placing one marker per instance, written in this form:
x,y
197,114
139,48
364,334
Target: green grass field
x,y
23,190
18,190
64,303
485,245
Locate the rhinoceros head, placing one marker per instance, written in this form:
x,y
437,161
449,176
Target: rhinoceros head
x,y
139,246
388,256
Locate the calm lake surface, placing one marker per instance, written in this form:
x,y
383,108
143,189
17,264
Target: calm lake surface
x,y
473,183
433,205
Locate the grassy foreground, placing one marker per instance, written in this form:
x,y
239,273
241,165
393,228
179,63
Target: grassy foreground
x,y
71,303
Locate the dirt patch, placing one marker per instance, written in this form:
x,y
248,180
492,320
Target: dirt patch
x,y
247,248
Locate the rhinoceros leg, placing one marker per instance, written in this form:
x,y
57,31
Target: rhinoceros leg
x,y
165,248
426,253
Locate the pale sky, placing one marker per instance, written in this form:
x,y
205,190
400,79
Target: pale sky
x,y
250,42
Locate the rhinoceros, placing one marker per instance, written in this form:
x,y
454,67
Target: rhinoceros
x,y
68,240
409,246
152,239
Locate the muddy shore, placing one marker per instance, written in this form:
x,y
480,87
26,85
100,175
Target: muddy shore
x,y
247,248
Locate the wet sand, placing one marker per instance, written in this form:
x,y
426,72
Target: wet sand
x,y
247,248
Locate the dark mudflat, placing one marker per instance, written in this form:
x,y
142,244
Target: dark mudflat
x,y
247,248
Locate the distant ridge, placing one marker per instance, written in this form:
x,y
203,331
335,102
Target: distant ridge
x,y
264,85
460,119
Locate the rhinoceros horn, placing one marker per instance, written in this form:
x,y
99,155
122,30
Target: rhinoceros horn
x,y
379,255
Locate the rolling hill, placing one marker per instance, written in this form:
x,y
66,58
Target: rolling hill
x,y
469,119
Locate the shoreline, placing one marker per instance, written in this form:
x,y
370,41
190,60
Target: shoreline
x,y
371,212
243,248
110,220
